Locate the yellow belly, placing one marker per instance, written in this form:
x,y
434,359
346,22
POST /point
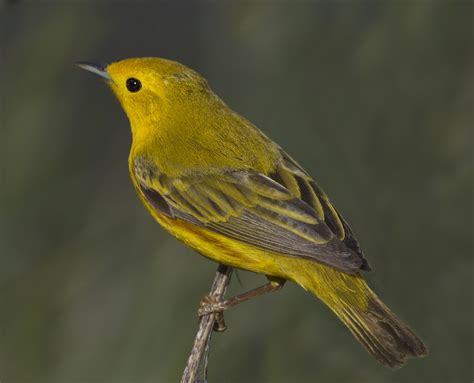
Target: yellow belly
x,y
224,250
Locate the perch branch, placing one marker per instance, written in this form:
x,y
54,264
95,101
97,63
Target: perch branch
x,y
196,368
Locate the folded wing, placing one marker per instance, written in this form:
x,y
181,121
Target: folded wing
x,y
284,213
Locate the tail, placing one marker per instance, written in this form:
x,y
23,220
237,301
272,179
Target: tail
x,y
383,335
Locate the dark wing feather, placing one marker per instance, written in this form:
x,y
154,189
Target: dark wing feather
x,y
293,176
265,212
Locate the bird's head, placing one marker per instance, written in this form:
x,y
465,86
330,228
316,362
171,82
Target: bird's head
x,y
148,88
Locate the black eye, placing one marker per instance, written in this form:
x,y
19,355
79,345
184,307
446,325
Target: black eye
x,y
133,85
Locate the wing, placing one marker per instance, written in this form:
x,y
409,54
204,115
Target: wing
x,y
285,212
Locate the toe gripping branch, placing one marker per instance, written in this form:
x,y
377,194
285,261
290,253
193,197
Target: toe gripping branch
x,y
212,305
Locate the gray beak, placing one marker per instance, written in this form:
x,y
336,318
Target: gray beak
x,y
98,70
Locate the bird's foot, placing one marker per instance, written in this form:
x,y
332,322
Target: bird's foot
x,y
210,305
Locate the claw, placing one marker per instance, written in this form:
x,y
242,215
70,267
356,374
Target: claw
x,y
219,322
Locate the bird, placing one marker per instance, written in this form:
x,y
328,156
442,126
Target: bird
x,y
216,182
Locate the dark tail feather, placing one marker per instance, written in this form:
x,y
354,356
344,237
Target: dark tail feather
x,y
384,336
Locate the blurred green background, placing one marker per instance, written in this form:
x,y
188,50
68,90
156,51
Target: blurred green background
x,y
373,98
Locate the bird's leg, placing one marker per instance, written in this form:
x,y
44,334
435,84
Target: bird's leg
x,y
210,305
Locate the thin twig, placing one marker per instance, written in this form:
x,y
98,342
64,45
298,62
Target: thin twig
x,y
196,368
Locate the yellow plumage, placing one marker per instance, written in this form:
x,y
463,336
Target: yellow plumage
x,y
217,183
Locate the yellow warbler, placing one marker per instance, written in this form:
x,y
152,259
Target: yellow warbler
x,y
217,183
